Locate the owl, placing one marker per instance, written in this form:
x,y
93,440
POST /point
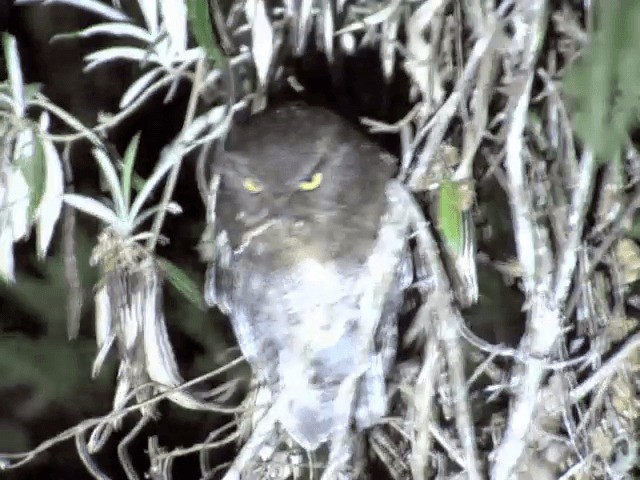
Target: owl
x,y
311,262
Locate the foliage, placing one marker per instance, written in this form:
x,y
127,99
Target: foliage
x,y
603,82
518,206
49,365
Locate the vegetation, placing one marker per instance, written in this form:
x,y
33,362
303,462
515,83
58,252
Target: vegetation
x,y
514,124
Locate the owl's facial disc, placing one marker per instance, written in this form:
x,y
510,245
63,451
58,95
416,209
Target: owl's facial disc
x,y
268,189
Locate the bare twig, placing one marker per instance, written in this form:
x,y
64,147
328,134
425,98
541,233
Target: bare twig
x,y
85,457
544,319
440,121
25,457
423,406
123,455
167,194
575,222
263,430
609,368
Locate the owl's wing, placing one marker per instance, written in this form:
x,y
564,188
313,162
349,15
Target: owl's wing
x,y
227,281
372,396
391,252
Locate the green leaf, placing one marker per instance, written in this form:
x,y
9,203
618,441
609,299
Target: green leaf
x,y
181,282
14,71
96,209
603,83
168,158
137,182
111,176
450,214
200,20
127,170
34,169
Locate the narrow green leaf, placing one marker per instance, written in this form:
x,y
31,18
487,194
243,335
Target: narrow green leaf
x,y
50,206
137,182
116,29
34,170
14,71
110,174
96,209
172,208
168,158
181,282
127,170
450,215
200,20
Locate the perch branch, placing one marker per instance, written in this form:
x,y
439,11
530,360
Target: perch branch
x,y
575,222
264,428
423,406
544,326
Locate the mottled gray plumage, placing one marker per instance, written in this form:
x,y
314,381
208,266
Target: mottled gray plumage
x,y
299,272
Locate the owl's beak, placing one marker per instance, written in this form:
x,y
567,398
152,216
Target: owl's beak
x,y
278,210
285,227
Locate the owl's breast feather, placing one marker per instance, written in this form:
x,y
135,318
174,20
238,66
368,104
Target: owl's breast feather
x,y
310,392
319,302
307,410
319,314
283,243
311,312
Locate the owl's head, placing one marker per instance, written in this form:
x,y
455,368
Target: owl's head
x,y
303,165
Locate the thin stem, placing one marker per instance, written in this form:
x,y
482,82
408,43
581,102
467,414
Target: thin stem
x,y
170,186
25,457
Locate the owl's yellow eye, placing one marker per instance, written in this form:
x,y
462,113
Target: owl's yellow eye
x,y
311,184
252,185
